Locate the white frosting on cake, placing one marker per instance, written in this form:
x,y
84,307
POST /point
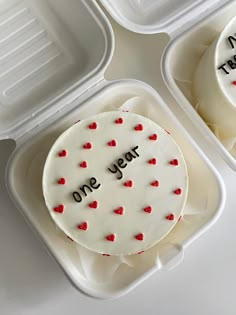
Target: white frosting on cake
x,y
214,84
136,183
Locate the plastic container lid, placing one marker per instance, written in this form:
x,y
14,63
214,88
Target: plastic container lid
x,y
152,16
48,49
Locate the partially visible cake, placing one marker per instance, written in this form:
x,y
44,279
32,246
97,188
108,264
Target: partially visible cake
x,y
214,84
115,183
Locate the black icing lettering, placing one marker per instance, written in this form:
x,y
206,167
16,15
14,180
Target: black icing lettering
x,y
129,156
223,68
121,163
93,182
231,64
231,40
134,150
116,169
77,197
83,189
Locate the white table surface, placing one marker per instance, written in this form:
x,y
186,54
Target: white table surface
x,y
204,283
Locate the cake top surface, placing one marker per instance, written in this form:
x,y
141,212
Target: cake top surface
x,y
116,183
225,59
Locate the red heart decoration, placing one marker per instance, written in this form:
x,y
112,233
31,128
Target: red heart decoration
x,y
93,126
174,162
139,237
155,183
170,217
62,153
83,226
59,209
61,181
148,209
112,143
83,164
139,127
119,211
129,183
87,145
119,121
153,137
152,161
111,237
178,191
93,205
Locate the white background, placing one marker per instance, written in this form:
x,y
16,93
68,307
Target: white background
x,y
204,283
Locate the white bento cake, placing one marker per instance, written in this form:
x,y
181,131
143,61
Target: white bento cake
x,y
116,183
214,84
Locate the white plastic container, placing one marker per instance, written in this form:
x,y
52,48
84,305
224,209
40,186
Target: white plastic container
x,y
52,75
186,50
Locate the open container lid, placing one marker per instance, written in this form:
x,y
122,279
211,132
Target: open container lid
x,y
48,49
152,16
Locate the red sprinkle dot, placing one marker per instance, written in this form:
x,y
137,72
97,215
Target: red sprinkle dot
x,y
139,127
167,132
142,251
87,146
180,218
148,209
63,153
139,237
119,211
119,121
234,82
155,183
93,205
178,191
59,209
83,164
93,125
111,237
129,183
152,161
83,226
106,255
170,217
61,181
174,162
153,137
112,143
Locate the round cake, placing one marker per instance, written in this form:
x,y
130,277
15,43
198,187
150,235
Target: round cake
x,y
115,183
214,84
